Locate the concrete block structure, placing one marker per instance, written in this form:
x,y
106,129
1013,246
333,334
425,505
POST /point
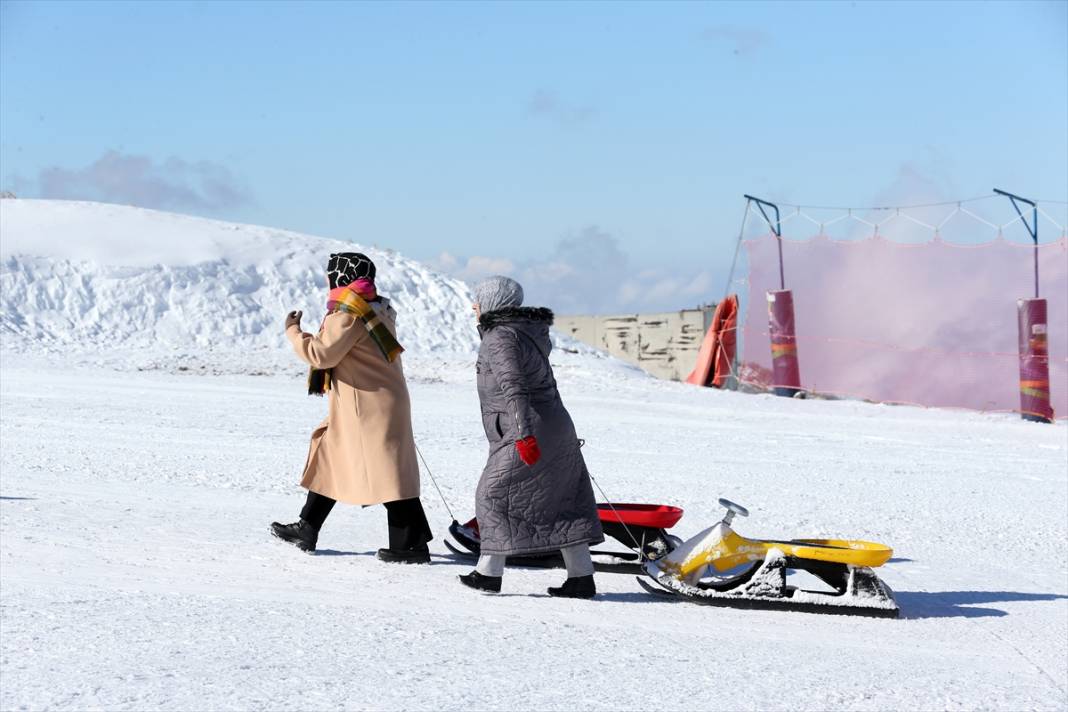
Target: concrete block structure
x,y
665,345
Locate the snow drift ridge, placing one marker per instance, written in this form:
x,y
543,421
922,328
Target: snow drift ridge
x,y
113,279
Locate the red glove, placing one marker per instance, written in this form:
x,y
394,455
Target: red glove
x,y
528,450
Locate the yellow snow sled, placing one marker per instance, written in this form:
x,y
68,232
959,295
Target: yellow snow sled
x,y
720,567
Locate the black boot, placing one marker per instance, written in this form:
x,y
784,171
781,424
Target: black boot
x,y
417,555
578,587
475,580
303,535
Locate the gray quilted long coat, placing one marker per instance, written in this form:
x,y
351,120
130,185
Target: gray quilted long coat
x,y
521,509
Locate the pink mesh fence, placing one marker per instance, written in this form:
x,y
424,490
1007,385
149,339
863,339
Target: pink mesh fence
x,y
932,323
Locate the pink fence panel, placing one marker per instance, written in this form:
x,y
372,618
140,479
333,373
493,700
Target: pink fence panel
x,y
931,323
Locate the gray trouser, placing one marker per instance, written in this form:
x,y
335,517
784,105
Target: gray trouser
x,y
577,561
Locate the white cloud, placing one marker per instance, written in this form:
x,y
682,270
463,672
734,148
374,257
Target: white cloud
x,y
174,184
547,104
588,273
742,40
471,269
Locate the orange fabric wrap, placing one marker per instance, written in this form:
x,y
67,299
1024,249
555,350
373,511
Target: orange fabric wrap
x,y
717,350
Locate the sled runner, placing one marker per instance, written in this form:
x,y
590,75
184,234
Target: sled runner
x,y
720,568
642,528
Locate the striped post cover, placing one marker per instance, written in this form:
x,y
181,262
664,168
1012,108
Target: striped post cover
x,y
1034,360
786,374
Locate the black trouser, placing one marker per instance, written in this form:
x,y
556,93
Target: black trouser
x,y
316,509
408,527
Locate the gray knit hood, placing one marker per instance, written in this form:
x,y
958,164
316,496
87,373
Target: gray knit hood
x,y
498,292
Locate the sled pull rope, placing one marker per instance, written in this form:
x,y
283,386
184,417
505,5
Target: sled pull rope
x,y
427,468
640,547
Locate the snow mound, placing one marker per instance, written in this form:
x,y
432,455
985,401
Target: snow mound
x,y
85,277
130,287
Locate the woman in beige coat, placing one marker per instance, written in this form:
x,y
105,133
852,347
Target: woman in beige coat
x,y
364,452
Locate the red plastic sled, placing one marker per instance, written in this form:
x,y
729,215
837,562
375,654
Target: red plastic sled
x,y
642,528
653,516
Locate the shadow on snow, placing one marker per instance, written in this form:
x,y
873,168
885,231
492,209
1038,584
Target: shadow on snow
x,y
915,605
962,604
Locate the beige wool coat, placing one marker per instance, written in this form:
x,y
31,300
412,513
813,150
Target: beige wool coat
x,y
364,452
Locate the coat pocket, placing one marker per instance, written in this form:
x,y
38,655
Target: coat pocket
x,y
491,423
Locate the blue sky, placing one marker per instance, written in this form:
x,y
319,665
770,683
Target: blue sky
x,y
584,147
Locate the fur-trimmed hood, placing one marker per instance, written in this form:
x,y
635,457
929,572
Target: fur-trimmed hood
x,y
489,320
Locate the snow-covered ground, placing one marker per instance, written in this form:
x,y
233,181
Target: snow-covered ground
x,y
136,571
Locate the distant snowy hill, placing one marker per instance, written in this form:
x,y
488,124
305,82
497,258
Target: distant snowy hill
x,y
159,287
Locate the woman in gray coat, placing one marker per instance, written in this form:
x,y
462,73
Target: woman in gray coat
x,y
534,495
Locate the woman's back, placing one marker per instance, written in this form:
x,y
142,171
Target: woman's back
x,y
515,348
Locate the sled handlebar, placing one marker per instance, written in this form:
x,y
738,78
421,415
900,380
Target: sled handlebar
x,y
732,509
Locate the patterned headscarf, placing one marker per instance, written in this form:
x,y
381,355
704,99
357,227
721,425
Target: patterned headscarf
x,y
351,276
345,268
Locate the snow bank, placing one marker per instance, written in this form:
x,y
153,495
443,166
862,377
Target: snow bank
x,y
154,289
